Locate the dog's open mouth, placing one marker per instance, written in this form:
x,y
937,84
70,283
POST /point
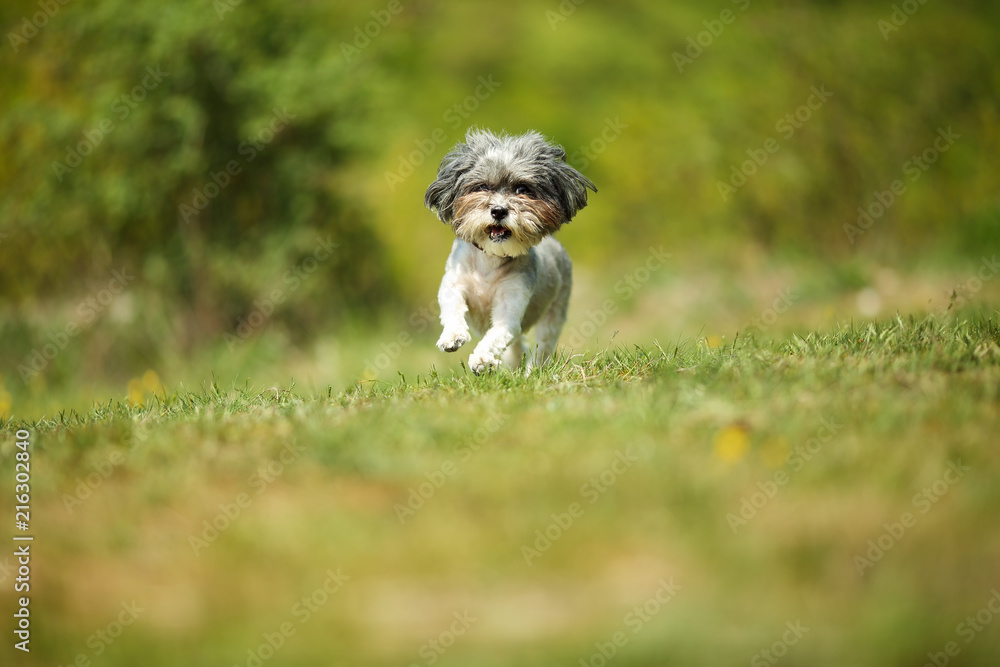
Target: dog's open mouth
x,y
498,233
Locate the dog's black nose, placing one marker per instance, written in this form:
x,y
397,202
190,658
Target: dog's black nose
x,y
498,212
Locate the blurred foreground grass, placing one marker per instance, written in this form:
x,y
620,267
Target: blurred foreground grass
x,y
843,485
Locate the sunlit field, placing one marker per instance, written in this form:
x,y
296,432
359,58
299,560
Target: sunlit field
x,y
829,497
768,435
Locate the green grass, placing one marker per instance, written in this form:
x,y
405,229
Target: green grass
x,y
646,456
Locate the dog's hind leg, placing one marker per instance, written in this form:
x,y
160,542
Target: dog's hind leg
x,y
549,328
514,354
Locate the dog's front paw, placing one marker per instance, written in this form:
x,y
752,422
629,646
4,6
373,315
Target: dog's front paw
x,y
480,363
452,340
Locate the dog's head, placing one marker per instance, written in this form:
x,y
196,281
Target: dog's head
x,y
504,194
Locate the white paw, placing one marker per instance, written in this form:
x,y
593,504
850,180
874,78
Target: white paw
x,y
452,340
480,363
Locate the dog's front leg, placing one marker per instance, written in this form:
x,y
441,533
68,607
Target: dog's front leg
x,y
509,303
455,332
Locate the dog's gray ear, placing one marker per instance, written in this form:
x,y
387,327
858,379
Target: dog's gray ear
x,y
441,194
571,187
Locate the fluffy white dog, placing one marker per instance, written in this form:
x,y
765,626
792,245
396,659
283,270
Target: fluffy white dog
x,y
504,196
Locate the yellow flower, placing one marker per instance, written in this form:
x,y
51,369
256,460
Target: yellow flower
x,y
713,342
139,388
5,401
135,394
151,382
731,443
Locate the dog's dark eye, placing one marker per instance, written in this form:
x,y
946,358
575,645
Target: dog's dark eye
x,y
523,190
480,187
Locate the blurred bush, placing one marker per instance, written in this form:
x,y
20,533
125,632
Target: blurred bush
x,y
198,145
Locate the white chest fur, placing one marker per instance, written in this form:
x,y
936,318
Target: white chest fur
x,y
500,298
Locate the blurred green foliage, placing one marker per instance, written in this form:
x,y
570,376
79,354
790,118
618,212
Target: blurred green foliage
x,y
658,103
199,145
